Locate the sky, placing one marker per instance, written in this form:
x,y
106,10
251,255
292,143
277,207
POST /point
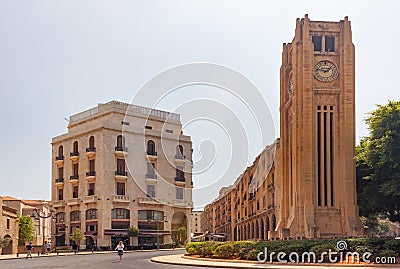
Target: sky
x,y
58,58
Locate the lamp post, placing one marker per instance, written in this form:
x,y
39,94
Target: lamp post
x,y
157,221
42,215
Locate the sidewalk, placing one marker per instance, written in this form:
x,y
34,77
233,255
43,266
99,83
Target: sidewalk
x,y
201,262
35,255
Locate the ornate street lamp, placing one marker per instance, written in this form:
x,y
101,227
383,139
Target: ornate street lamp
x,y
43,215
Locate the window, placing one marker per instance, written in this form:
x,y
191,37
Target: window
x,y
91,228
150,215
148,127
120,213
151,170
151,148
120,143
317,41
120,166
329,44
91,142
75,148
8,223
75,215
151,191
60,194
75,192
179,193
169,131
60,172
60,217
75,169
125,123
120,188
60,151
180,175
91,166
179,152
91,214
91,189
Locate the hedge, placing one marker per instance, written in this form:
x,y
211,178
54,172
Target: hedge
x,y
248,250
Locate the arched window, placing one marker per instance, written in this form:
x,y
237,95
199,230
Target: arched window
x,y
151,148
60,151
60,217
91,142
91,214
120,213
75,151
120,143
179,152
75,215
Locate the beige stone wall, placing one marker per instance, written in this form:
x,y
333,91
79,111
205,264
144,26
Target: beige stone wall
x,y
8,214
105,126
195,220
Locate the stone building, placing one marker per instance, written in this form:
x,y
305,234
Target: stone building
x,y
42,226
122,166
8,228
309,192
195,221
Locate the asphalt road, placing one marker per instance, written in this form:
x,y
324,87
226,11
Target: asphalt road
x,y
96,261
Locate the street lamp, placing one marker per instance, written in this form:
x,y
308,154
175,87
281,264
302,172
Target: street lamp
x,y
42,216
157,221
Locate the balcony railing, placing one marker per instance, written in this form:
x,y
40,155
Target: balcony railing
x,y
180,156
153,176
74,177
119,148
152,153
180,179
121,173
59,158
74,154
91,149
59,180
91,174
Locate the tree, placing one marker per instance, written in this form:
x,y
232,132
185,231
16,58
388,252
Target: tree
x,y
25,229
77,236
181,234
133,232
378,166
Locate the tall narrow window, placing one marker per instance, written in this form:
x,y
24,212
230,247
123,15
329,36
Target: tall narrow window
x,y
75,191
151,191
91,189
151,170
60,151
180,175
317,41
120,143
120,188
329,44
75,170
179,152
60,194
91,142
75,148
8,224
121,167
179,193
91,166
151,148
60,172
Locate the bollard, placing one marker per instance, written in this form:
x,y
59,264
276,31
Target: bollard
x,y
38,253
17,254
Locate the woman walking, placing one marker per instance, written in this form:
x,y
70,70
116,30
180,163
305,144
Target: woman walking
x,y
120,248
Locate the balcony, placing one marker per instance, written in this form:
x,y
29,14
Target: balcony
x,y
121,199
90,152
90,199
150,201
59,160
121,175
121,151
180,181
152,155
151,178
91,175
74,179
59,203
74,156
59,181
180,158
73,201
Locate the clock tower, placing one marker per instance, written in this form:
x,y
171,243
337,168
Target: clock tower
x,y
317,132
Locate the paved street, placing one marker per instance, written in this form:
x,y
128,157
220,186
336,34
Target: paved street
x,y
97,261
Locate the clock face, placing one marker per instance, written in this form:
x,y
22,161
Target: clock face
x,y
325,71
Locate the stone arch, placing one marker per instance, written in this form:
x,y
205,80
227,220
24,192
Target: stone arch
x,y
257,231
179,219
9,248
262,229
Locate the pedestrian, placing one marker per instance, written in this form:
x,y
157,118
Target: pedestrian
x,y
48,247
29,248
120,248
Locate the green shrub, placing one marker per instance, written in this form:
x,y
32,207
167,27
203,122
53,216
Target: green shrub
x,y
224,251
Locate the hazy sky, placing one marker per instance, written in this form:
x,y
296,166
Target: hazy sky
x,y
58,58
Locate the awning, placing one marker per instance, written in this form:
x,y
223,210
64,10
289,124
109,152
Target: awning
x,y
115,232
90,233
144,233
59,234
